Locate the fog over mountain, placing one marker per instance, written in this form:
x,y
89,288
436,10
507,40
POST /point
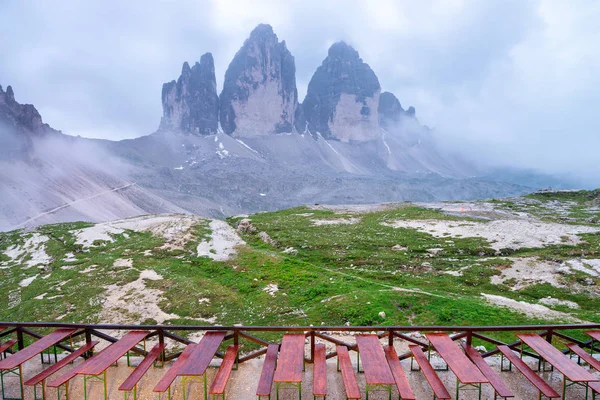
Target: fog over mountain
x,y
253,147
510,82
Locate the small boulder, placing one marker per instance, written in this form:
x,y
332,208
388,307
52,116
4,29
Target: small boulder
x,y
399,248
245,226
264,236
435,251
382,314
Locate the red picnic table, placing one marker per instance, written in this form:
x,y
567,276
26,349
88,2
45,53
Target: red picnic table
x,y
98,364
569,368
595,335
15,362
192,363
466,372
376,368
290,364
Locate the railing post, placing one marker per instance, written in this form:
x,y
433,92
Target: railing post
x,y
20,340
391,338
312,346
469,338
236,338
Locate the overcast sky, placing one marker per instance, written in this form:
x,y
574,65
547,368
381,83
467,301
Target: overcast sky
x,y
510,81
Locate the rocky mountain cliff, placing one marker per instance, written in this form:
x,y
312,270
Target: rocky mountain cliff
x,y
259,94
343,97
191,104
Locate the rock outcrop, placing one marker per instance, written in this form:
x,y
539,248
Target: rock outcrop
x,y
391,112
20,124
342,97
259,94
191,104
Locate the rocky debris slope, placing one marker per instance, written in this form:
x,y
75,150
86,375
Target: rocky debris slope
x,y
191,104
343,97
259,94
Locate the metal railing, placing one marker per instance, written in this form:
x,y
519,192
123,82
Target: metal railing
x,y
239,334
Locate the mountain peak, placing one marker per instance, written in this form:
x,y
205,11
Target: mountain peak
x,y
262,30
259,94
10,95
342,97
191,104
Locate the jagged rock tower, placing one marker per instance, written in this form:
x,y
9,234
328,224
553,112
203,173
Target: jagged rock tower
x,y
191,104
342,97
259,94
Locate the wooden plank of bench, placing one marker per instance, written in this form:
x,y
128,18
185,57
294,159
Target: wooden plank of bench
x,y
377,370
594,335
220,382
111,354
7,345
432,378
291,359
203,354
463,368
352,390
320,371
499,386
168,378
555,357
595,386
585,356
141,369
400,378
36,348
531,376
60,364
268,371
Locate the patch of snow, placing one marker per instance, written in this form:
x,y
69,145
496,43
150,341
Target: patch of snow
x,y
204,300
180,168
140,301
551,301
123,262
27,281
336,221
531,310
385,143
527,271
262,194
246,146
514,234
222,244
271,289
34,246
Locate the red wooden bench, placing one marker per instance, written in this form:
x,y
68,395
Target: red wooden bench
x,y
63,380
42,376
320,372
348,376
4,347
220,382
134,378
500,388
268,372
169,377
584,355
439,390
541,385
404,390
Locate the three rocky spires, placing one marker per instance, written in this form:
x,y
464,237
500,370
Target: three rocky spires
x,y
259,96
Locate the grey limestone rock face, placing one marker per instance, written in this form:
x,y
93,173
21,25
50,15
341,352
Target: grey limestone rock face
x,y
342,97
391,112
191,104
259,94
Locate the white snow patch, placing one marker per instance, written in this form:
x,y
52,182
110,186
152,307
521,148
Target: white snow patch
x,y
262,194
385,143
140,301
246,146
501,234
34,246
271,289
527,271
222,244
27,281
180,168
551,301
531,310
336,221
